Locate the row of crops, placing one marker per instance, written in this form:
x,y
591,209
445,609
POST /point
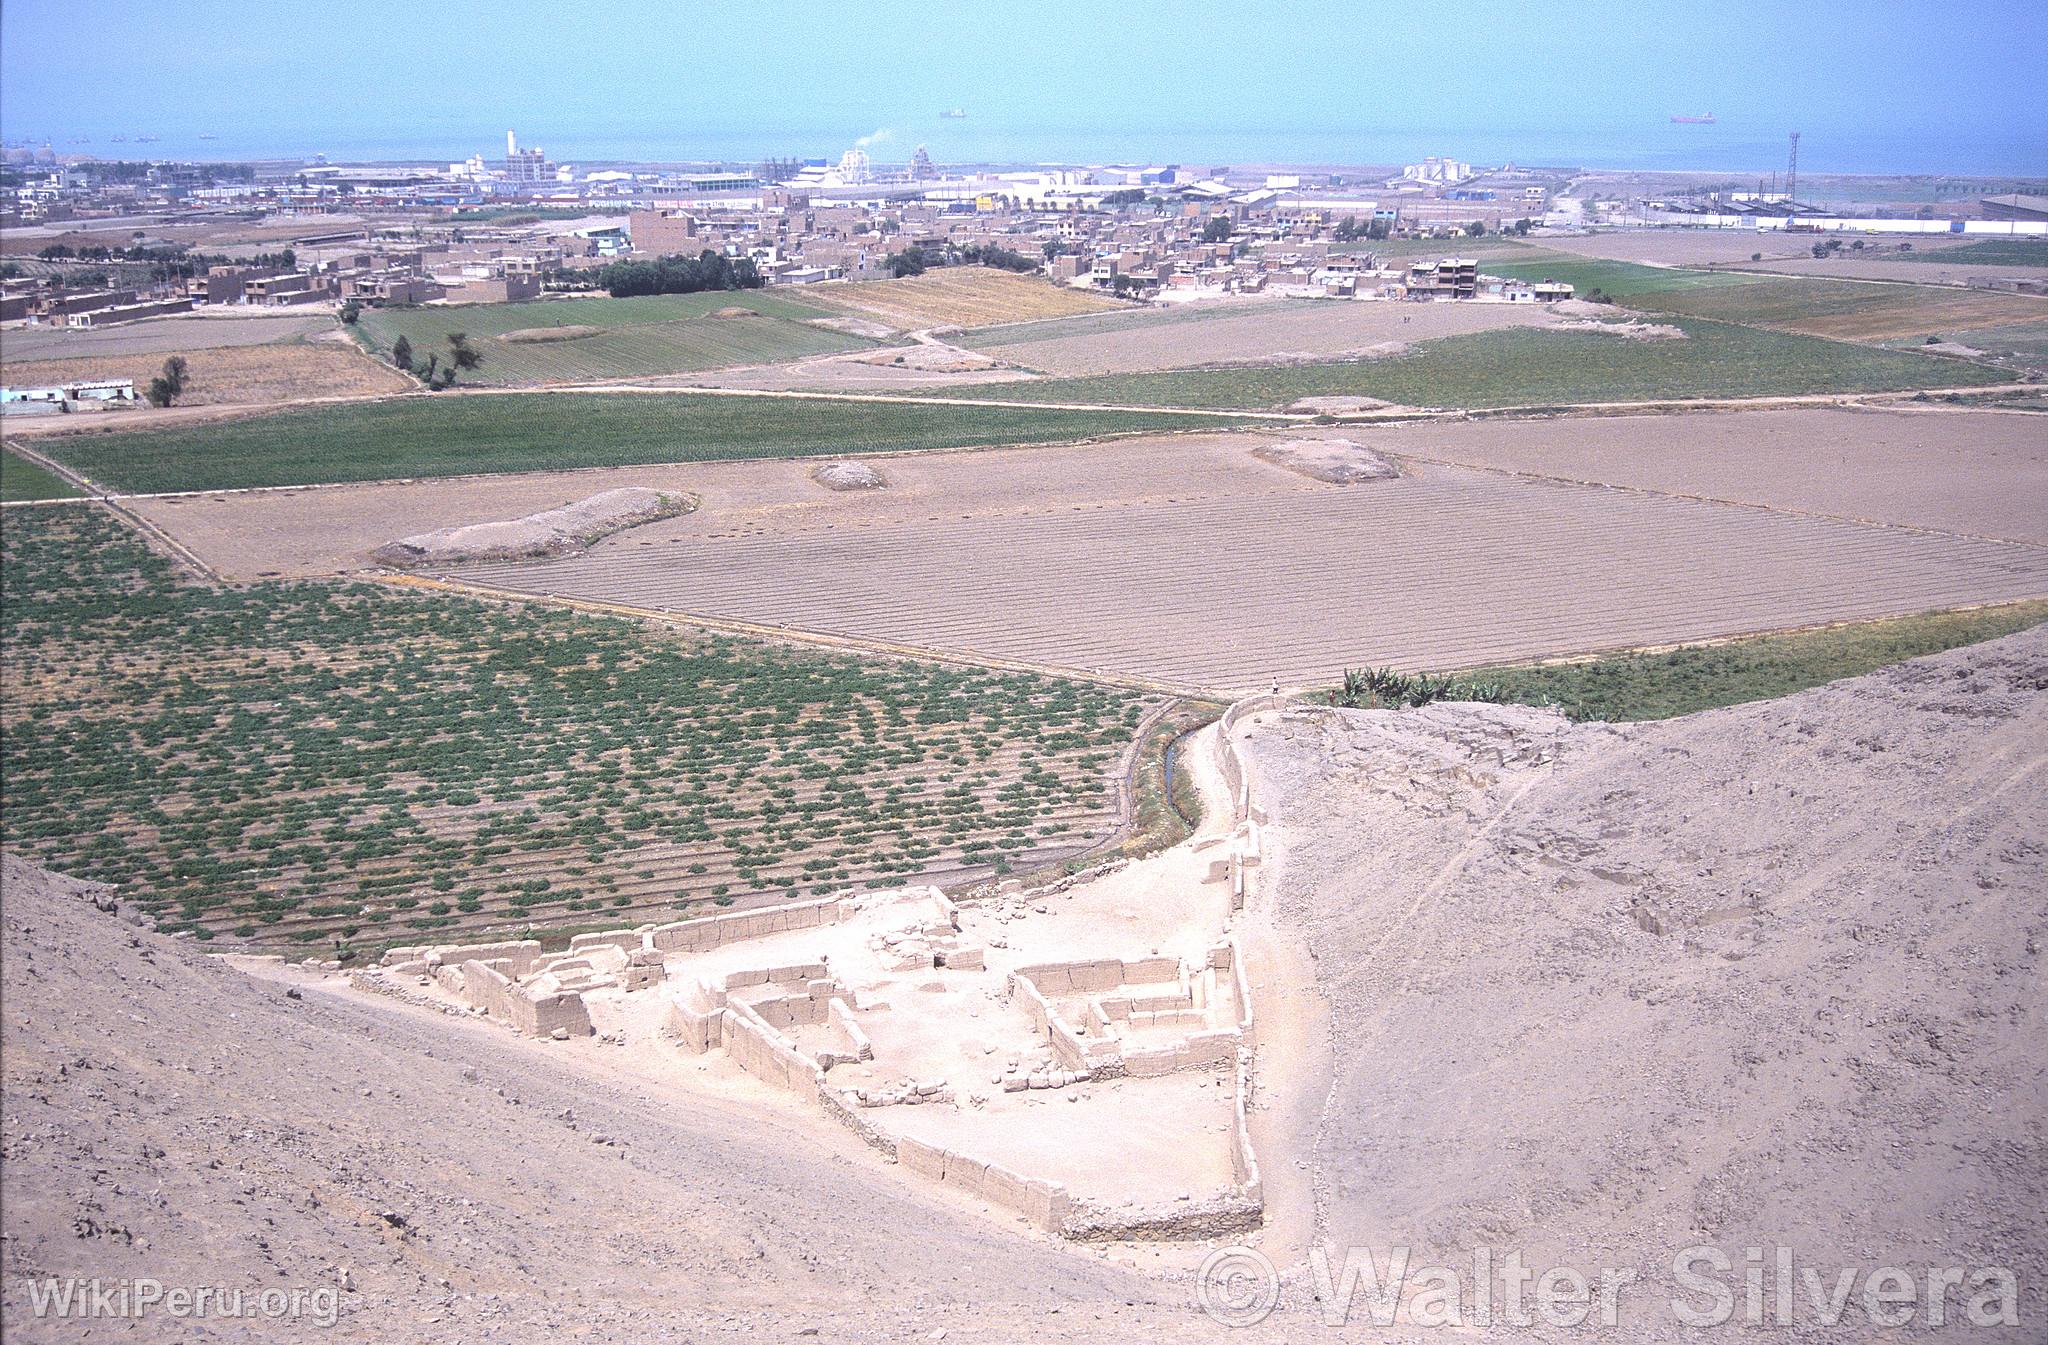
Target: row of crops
x,y
323,763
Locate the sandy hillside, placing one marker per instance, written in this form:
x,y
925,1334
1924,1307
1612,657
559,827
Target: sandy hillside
x,y
1768,976
167,1116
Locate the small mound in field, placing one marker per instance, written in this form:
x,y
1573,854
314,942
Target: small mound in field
x,y
1581,308
1341,462
1628,331
735,311
848,476
1338,406
552,532
874,331
526,336
1952,348
928,359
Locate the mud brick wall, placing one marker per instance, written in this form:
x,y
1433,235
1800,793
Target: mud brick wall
x,y
1044,1203
767,1055
713,931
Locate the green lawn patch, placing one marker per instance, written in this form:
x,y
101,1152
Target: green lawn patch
x,y
638,337
1681,681
1616,279
21,479
1534,367
306,764
451,434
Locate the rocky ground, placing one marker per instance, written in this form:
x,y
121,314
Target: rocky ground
x,y
166,1116
1767,977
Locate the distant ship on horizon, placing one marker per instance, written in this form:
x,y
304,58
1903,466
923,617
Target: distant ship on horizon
x,y
1704,119
954,114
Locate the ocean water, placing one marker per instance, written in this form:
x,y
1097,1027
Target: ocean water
x,y
1744,150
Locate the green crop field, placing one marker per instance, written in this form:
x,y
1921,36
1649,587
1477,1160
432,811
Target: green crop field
x,y
1534,367
451,434
640,337
306,764
1983,252
21,479
1618,280
1682,681
1848,309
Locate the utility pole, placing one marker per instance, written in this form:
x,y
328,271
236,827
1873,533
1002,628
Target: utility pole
x,y
1792,177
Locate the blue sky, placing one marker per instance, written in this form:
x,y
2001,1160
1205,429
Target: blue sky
x,y
786,74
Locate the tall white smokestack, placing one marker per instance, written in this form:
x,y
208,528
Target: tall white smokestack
x,y
511,145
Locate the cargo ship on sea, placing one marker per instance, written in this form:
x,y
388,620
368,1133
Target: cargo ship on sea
x,y
1704,119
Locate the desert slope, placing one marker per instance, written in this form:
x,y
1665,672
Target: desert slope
x,y
167,1116
1765,976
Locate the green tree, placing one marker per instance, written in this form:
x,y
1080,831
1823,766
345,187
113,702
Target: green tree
x,y
350,311
1217,230
175,369
909,262
461,354
401,354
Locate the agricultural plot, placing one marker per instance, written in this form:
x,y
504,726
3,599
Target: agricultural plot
x,y
2019,346
323,763
1275,333
1986,252
959,296
1684,247
1205,568
1897,268
1848,310
1590,275
158,337
240,375
1535,367
1971,473
454,433
583,340
1113,321
22,480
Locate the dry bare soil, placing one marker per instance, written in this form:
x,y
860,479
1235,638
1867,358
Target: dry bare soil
x,y
1190,562
1768,976
959,296
1682,247
1980,473
1917,272
239,375
1260,334
159,337
167,1116
1117,558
